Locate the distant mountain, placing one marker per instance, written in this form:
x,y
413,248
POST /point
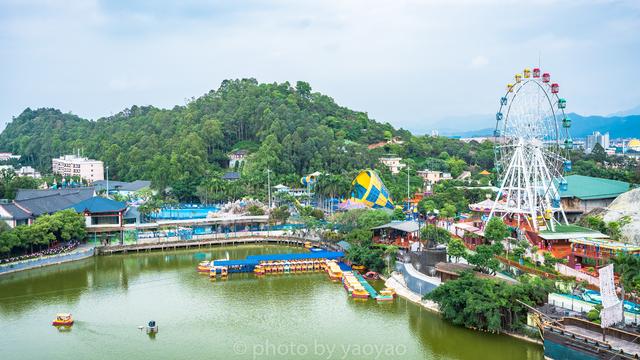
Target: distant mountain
x,y
618,126
632,111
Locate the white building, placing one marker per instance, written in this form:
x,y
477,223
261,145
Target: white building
x,y
431,176
237,157
23,171
28,171
393,163
73,165
596,138
4,156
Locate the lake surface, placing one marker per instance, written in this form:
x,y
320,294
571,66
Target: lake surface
x,y
275,317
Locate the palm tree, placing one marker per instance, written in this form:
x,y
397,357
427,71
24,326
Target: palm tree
x,y
628,267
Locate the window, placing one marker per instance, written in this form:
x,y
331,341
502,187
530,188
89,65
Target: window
x,y
105,220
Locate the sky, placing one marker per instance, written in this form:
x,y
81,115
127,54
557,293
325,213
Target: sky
x,y
419,65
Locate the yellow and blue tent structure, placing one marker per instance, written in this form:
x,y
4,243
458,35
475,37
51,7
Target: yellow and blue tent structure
x,y
310,180
369,189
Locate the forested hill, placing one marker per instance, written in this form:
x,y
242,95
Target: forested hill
x,y
289,128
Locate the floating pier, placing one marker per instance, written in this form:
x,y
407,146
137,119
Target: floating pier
x,y
328,261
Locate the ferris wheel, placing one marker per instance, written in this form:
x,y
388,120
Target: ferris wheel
x,y
532,143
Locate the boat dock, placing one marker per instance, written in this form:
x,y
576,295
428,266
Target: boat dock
x,y
249,264
365,284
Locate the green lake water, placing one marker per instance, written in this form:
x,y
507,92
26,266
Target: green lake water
x,y
274,317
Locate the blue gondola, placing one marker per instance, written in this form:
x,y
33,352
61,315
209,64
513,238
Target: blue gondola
x,y
567,165
499,116
562,104
568,144
555,203
566,122
496,133
564,186
503,101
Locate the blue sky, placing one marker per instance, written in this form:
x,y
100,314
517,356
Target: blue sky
x,y
416,64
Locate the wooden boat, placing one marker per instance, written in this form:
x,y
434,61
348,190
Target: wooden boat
x,y
204,266
386,294
359,293
371,275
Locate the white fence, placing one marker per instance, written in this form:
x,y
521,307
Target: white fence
x,y
565,270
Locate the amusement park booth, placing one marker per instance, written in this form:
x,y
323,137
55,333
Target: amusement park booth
x,y
399,233
470,233
597,252
558,242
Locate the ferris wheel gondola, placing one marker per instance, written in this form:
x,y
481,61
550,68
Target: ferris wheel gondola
x,y
532,144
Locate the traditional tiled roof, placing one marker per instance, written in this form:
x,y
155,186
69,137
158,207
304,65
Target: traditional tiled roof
x,y
405,226
48,204
122,185
233,175
81,192
15,212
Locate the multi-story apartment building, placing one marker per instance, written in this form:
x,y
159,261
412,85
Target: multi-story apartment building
x,y
596,138
73,165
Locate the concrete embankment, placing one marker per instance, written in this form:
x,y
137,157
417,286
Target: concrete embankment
x,y
78,254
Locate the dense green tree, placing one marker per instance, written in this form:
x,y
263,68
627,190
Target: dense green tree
x,y
489,304
279,215
456,249
628,267
496,230
63,226
484,258
435,234
398,214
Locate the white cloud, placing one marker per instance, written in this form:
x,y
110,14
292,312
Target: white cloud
x,y
479,61
406,62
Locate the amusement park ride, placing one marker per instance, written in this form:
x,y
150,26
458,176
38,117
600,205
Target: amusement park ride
x,y
532,145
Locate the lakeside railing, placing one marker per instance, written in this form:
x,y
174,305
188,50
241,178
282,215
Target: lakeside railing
x,y
48,260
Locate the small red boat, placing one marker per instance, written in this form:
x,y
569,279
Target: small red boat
x,y
372,275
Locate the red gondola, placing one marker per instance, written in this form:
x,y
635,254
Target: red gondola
x,y
546,77
555,88
536,72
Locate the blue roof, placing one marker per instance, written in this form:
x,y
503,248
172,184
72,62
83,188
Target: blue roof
x,y
344,245
298,256
99,204
253,260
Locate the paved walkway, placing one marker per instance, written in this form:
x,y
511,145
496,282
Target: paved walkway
x,y
396,282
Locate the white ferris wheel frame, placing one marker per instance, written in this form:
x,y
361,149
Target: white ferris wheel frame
x,y
530,154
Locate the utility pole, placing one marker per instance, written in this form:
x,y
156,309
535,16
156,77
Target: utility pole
x,y
269,194
269,186
408,207
107,181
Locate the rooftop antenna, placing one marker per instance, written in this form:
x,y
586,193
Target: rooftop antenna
x,y
539,61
